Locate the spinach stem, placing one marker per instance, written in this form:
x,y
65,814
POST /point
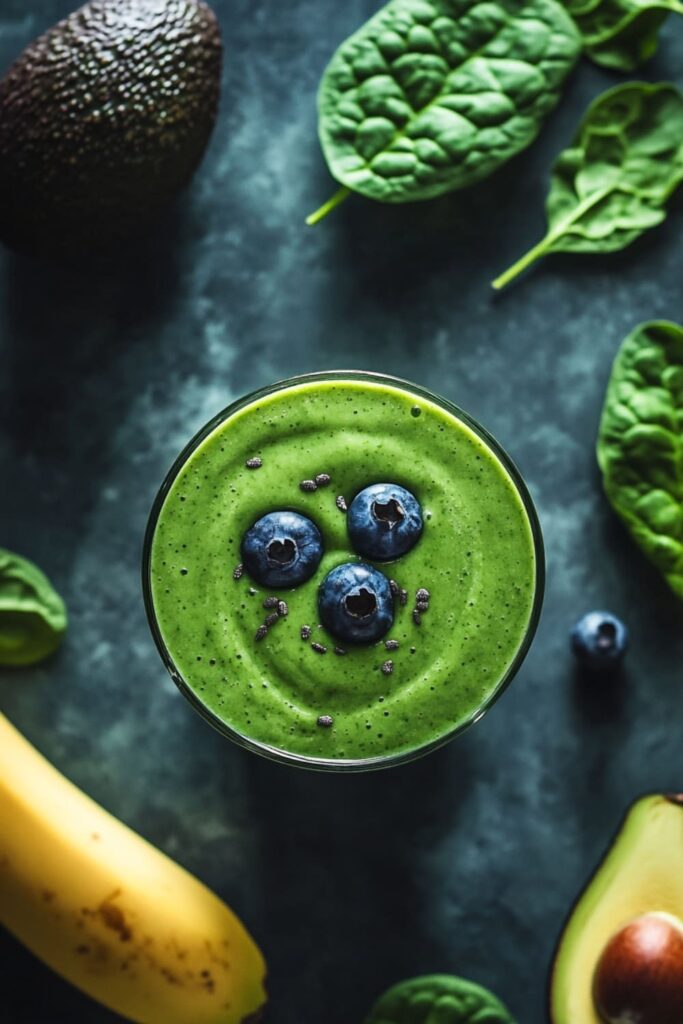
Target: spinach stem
x,y
546,244
521,264
329,206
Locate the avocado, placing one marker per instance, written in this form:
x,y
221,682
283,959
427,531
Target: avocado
x,y
103,120
639,879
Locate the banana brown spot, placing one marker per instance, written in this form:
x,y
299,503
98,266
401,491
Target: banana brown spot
x,y
114,918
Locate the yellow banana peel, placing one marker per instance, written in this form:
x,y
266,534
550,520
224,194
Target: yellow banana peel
x,y
110,912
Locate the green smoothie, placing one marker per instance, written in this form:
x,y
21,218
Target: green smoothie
x,y
477,556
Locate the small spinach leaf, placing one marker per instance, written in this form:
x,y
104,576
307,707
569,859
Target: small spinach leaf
x,y
434,95
621,34
640,443
32,614
438,999
612,184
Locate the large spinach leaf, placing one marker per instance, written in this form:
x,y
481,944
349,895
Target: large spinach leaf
x,y
612,184
640,443
621,34
438,999
32,614
433,95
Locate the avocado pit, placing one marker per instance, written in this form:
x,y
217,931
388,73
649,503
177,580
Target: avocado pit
x,y
639,976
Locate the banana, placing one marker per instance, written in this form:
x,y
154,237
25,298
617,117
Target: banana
x,y
111,913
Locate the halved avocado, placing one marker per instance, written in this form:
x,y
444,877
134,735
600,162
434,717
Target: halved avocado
x,y
642,873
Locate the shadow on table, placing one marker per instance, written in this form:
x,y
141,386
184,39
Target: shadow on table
x,y
75,338
344,876
602,700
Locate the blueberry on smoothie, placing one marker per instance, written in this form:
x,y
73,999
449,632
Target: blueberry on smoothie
x,y
599,641
355,603
384,522
282,549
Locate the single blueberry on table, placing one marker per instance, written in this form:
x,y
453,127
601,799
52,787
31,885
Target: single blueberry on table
x,y
384,522
282,549
355,603
599,641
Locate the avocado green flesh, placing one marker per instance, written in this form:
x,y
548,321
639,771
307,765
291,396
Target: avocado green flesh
x,y
475,556
641,874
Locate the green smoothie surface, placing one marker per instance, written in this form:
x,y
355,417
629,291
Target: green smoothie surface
x,y
476,556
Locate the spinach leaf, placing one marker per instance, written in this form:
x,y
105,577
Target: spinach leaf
x,y
612,184
621,34
434,95
32,614
438,999
640,443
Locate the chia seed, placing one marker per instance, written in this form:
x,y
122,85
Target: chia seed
x,y
261,632
393,587
282,609
238,572
422,595
339,650
340,502
422,606
391,645
323,479
271,619
388,667
325,721
319,648
306,632
271,602
252,591
417,617
308,485
403,596
254,463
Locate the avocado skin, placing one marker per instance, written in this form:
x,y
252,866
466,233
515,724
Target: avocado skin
x,y
103,120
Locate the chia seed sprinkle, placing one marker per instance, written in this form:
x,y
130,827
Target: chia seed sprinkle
x,y
403,596
339,650
282,609
422,606
308,485
325,721
238,572
422,595
323,479
388,667
271,602
319,648
261,632
254,463
306,632
271,619
391,645
393,587
340,502
417,617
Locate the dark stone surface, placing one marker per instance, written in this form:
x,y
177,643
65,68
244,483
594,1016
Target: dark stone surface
x,y
469,860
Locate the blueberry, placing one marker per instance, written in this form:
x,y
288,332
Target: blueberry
x,y
384,521
355,603
282,549
599,641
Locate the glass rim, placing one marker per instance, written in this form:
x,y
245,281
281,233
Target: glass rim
x,y
379,761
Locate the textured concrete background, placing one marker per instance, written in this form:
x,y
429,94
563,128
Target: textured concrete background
x,y
469,860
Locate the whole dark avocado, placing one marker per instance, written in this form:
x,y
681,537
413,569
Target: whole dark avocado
x,y
103,120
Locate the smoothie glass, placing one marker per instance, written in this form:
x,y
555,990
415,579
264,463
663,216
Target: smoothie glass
x,y
448,673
